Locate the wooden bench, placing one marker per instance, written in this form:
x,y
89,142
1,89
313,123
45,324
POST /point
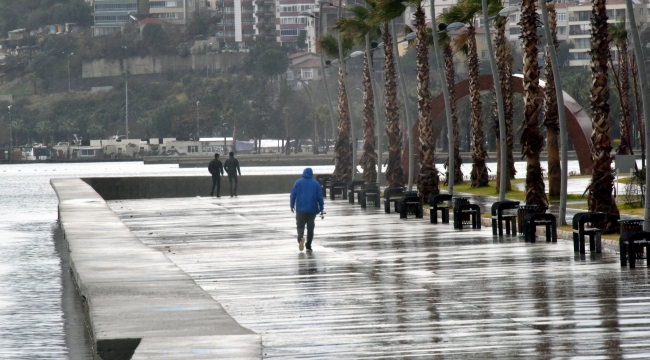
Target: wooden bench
x,y
325,183
370,191
434,200
499,217
338,189
579,231
392,195
355,187
474,212
629,244
541,219
411,204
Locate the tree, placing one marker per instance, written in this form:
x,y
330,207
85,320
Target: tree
x,y
328,45
551,115
602,176
465,12
447,52
154,38
531,140
272,63
618,37
382,15
360,27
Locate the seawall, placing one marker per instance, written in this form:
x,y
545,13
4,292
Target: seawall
x,y
138,303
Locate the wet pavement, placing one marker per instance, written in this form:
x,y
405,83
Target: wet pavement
x,y
380,287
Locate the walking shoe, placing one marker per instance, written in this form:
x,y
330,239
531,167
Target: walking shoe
x,y
301,244
309,250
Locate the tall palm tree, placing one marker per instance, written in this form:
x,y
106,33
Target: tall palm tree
x,y
465,12
427,179
381,15
602,176
531,138
618,36
360,27
551,115
448,55
503,58
328,45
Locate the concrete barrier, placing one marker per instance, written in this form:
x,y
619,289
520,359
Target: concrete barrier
x,y
139,304
116,188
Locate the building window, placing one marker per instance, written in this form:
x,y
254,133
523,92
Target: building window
x,y
561,17
117,7
484,54
88,152
561,30
288,32
445,10
293,20
193,149
307,74
515,31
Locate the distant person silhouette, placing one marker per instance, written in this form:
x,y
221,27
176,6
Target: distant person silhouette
x,y
216,169
232,168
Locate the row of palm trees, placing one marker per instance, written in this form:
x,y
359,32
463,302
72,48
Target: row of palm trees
x,y
372,22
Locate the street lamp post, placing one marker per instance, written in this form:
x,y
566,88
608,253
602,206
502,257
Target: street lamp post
x,y
11,148
562,116
68,56
197,121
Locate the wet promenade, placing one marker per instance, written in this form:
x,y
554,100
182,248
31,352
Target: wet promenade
x,y
380,287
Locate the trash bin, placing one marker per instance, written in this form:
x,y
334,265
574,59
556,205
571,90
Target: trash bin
x,y
461,201
631,225
522,211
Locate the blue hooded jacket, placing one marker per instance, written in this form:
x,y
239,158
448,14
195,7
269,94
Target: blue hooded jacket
x,y
306,195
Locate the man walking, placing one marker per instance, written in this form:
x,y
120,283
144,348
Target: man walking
x,y
307,200
232,168
216,169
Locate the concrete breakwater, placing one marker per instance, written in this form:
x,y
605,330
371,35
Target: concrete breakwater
x,y
139,304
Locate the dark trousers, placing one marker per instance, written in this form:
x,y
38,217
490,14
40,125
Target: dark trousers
x,y
216,181
302,219
232,178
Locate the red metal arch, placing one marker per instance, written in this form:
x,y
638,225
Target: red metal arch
x,y
578,122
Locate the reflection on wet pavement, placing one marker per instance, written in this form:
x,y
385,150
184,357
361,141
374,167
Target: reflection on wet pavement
x,y
380,287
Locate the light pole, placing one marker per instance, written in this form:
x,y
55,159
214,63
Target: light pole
x,y
126,87
197,121
643,79
560,106
11,148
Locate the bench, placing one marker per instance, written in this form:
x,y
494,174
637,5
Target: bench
x,y
471,210
338,189
355,187
533,220
579,231
392,195
498,217
326,181
370,191
411,204
629,244
434,200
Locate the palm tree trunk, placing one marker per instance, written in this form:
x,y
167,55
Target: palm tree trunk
x,y
505,69
531,138
287,129
625,148
602,176
479,175
343,168
394,170
234,137
369,157
451,82
637,107
551,116
427,179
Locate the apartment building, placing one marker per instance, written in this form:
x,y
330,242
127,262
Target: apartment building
x,y
111,15
173,12
240,22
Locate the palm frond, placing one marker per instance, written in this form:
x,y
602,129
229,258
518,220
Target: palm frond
x,y
328,45
617,33
386,11
460,43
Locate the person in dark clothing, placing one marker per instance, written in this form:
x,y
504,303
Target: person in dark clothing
x,y
216,169
307,200
232,168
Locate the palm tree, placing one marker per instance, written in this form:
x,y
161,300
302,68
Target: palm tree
x,y
551,115
504,61
381,15
445,43
328,45
602,176
465,11
427,179
618,36
362,30
531,138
